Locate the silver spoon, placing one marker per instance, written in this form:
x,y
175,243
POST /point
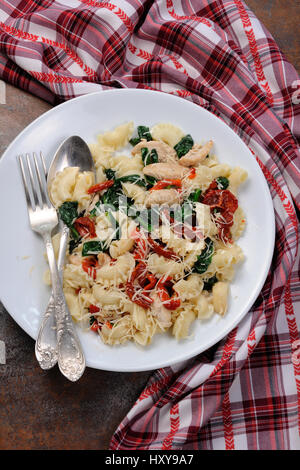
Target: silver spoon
x,y
73,152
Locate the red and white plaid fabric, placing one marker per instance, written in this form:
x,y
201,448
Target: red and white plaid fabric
x,y
244,393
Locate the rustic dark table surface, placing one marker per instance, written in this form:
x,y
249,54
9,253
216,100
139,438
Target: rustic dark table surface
x,y
40,409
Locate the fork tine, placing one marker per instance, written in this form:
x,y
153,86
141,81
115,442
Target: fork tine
x,y
34,186
42,181
25,184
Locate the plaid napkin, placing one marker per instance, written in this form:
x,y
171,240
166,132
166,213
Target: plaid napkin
x,y
244,393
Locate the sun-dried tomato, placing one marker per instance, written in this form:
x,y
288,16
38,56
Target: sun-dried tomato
x,y
100,187
192,174
94,309
89,265
138,280
230,202
95,326
226,204
164,184
85,227
169,302
160,250
213,198
150,282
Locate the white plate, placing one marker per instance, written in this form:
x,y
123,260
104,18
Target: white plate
x,y
21,251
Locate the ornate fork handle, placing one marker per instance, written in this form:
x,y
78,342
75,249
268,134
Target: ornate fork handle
x,y
46,343
71,361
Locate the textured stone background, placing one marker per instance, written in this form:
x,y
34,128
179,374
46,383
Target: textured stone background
x,y
42,410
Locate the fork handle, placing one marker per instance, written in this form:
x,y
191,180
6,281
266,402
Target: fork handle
x,y
71,361
46,343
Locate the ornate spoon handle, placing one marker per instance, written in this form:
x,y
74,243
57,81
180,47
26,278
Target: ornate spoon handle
x,y
46,343
71,361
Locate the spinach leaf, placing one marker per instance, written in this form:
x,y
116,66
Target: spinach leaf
x,y
74,244
222,182
147,218
74,234
143,133
208,285
195,195
68,212
134,141
93,248
110,174
150,181
184,145
112,195
204,259
148,156
136,179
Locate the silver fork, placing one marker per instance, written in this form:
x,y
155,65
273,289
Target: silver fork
x,y
43,218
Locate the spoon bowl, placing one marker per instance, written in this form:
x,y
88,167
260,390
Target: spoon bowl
x,y
72,152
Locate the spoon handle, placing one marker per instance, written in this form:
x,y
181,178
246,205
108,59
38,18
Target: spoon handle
x,y
70,357
46,343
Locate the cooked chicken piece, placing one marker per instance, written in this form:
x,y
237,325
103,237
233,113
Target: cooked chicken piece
x,y
164,151
163,315
75,259
162,171
103,259
162,196
196,155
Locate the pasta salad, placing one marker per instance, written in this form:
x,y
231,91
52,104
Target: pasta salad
x,y
153,237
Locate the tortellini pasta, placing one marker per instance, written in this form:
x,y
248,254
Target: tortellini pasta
x,y
183,322
189,288
121,331
236,178
220,297
71,185
168,133
181,246
135,192
203,306
166,267
117,272
124,165
204,220
120,247
239,223
118,137
76,277
135,269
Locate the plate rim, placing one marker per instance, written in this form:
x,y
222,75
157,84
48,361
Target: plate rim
x,y
267,262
